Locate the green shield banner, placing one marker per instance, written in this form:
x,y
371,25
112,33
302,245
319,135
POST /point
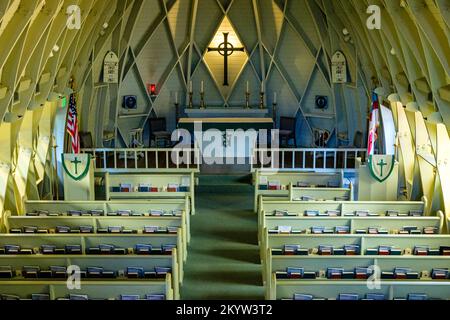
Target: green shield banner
x,y
76,165
381,166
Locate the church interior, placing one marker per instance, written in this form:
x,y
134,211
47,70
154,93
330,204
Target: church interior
x,y
225,150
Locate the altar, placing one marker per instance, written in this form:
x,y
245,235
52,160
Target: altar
x,y
226,144
227,113
226,123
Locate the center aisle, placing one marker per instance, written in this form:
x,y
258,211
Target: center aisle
x,y
223,261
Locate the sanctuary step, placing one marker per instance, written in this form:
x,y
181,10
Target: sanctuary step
x,y
209,183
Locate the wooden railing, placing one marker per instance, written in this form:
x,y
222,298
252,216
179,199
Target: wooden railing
x,y
145,160
306,159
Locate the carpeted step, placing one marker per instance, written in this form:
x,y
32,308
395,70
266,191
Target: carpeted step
x,y
224,184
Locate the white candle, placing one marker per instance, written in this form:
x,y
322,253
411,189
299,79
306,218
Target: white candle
x,y
202,89
274,97
248,87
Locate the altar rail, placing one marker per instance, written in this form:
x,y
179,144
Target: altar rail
x,y
145,160
306,159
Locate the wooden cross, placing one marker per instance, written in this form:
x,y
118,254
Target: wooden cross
x,y
225,49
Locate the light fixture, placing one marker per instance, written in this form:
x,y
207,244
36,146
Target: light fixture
x,y
393,51
56,48
51,54
345,32
105,25
403,4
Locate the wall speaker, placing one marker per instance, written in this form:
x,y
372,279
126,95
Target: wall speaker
x,y
129,102
321,102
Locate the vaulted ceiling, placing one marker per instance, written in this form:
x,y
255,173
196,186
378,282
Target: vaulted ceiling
x,y
164,42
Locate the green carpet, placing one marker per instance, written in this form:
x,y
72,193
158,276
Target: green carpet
x,y
223,261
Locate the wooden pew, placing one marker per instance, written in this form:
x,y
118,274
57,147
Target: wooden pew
x,y
335,179
95,290
321,194
320,264
117,264
138,223
344,207
285,289
125,241
311,242
159,181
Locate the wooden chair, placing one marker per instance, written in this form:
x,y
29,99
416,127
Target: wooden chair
x,y
158,131
287,130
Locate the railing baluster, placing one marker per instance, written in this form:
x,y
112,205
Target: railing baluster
x,y
115,160
345,159
314,160
325,159
304,160
167,160
293,159
135,159
335,159
126,159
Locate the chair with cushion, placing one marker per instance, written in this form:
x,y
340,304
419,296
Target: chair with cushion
x,y
86,141
287,131
159,133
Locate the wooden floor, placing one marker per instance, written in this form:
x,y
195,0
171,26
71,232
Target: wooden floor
x,y
223,260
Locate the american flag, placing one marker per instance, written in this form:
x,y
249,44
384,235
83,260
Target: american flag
x,y
374,124
72,124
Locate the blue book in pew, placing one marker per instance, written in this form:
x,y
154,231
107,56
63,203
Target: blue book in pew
x,y
106,248
115,189
362,273
439,274
143,249
263,187
31,271
335,273
348,297
295,273
73,249
291,249
162,270
86,229
375,296
303,297
401,273
417,296
97,212
135,272
129,297
48,249
9,297
58,271
317,230
312,213
155,297
325,250
416,213
6,272
74,213
40,297
115,229
342,229
184,189
12,249
30,229
62,229
79,297
168,248
94,272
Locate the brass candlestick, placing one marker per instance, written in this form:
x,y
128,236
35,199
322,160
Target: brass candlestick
x,y
247,100
191,95
261,103
177,112
274,113
202,100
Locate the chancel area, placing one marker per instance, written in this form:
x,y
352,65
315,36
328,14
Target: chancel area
x,y
225,150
